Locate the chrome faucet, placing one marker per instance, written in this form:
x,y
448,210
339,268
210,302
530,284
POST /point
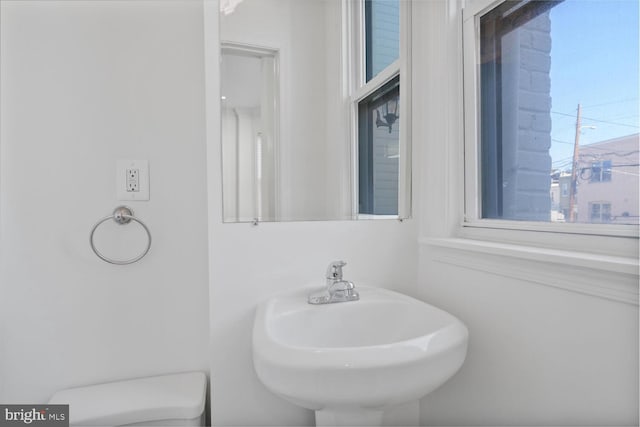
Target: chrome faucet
x,y
337,289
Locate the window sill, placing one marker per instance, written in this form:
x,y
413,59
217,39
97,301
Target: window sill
x,y
597,229
373,216
604,276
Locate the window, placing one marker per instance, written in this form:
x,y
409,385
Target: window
x,y
378,148
382,28
377,95
600,212
601,171
542,108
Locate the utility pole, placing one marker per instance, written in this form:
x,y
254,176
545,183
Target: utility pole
x,y
574,170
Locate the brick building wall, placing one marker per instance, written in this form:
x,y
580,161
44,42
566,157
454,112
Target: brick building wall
x,y
526,63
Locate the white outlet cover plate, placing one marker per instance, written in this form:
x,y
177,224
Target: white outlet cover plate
x,y
121,180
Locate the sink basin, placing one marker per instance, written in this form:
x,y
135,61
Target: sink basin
x,y
349,361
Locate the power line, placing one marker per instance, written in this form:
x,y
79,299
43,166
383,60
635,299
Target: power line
x,y
627,116
563,114
611,123
596,120
563,159
625,173
591,146
561,142
610,153
611,102
625,166
563,166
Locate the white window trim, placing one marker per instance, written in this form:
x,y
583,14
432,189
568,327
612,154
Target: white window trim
x,y
472,10
383,77
594,229
595,265
610,277
359,88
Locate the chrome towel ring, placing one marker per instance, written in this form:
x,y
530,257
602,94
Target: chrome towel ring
x,y
122,215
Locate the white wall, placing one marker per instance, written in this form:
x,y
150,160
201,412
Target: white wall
x,y
537,355
250,263
85,83
551,342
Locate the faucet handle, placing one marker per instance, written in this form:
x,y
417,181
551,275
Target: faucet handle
x,y
334,271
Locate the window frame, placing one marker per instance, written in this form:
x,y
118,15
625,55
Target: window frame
x,y
367,194
472,219
358,89
601,205
604,171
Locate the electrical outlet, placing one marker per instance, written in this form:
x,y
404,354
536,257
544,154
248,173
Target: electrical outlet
x,y
132,181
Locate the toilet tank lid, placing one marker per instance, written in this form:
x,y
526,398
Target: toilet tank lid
x,y
175,396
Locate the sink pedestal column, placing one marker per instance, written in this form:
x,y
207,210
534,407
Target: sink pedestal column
x,y
349,417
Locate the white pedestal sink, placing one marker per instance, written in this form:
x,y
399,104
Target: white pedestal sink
x,y
350,361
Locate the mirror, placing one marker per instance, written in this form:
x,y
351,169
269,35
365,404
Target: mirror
x,y
290,121
249,131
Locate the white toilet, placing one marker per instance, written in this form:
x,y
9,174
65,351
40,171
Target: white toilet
x,y
167,400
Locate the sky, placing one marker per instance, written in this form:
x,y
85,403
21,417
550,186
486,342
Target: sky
x,y
594,62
